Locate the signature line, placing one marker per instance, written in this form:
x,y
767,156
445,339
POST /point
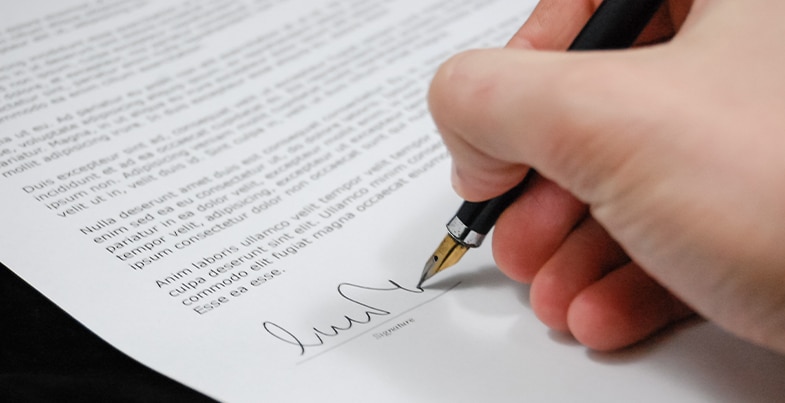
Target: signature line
x,y
380,324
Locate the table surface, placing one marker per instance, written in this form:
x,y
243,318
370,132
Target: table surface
x,y
46,356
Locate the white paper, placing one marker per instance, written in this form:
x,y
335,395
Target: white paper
x,y
241,195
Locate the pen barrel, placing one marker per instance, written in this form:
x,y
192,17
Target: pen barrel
x,y
616,24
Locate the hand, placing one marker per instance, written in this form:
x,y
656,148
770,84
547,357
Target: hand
x,y
661,186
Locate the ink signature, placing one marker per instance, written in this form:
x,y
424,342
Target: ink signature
x,y
319,335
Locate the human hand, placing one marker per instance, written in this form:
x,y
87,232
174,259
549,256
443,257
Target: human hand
x,y
661,185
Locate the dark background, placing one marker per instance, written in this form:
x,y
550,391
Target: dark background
x,y
47,356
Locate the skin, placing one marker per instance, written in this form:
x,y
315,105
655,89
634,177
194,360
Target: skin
x,y
660,187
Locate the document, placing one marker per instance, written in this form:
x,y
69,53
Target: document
x,y
241,195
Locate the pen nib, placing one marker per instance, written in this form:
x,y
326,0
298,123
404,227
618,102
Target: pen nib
x,y
447,254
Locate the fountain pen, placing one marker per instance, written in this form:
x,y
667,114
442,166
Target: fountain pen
x,y
616,24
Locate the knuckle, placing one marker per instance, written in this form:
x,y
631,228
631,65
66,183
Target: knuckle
x,y
461,87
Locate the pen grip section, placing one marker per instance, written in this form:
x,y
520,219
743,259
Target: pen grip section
x,y
480,217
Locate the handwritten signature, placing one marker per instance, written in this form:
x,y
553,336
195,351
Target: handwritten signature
x,y
319,335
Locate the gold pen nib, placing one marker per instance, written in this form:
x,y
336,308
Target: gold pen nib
x,y
447,254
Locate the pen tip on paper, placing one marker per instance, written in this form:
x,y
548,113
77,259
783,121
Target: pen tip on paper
x,y
447,254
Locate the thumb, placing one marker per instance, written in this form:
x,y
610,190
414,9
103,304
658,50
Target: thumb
x,y
575,117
